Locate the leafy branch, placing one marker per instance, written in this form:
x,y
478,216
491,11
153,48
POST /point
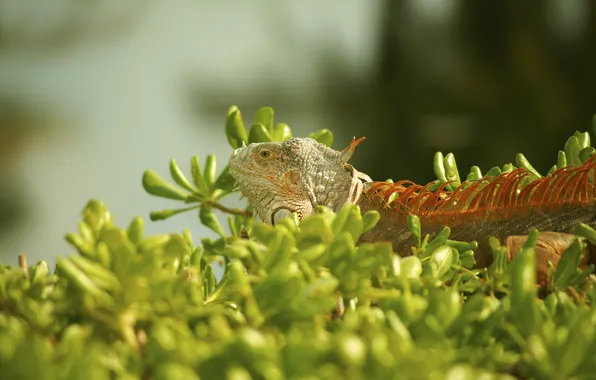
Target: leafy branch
x,y
207,189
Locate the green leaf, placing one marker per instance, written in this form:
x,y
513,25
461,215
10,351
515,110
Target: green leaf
x,y
197,176
462,245
135,230
264,116
258,134
312,253
225,181
442,259
507,168
165,214
209,219
467,259
475,173
572,149
370,219
438,240
415,229
567,268
411,267
210,171
522,162
493,172
348,219
235,131
499,254
281,132
76,277
523,274
451,172
323,136
179,177
561,160
583,138
587,153
155,185
583,230
439,167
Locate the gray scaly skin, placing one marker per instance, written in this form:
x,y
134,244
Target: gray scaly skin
x,y
295,176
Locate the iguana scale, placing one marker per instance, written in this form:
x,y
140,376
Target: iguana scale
x,y
300,174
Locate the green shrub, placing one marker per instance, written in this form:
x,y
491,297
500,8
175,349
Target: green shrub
x,y
298,300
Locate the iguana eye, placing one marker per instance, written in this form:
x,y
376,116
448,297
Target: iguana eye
x,y
265,153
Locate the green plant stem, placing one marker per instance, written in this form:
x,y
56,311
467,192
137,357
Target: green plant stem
x,y
228,210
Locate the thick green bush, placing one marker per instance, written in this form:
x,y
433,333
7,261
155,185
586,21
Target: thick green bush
x,y
299,300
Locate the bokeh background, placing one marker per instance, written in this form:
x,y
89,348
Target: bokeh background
x,y
92,93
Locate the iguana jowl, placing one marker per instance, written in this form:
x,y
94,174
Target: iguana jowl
x,y
299,174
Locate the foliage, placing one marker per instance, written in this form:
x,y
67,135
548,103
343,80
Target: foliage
x,y
296,300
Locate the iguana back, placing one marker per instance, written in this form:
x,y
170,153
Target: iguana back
x,y
499,207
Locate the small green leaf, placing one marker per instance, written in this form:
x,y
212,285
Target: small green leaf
x,y
475,173
462,245
438,240
567,268
235,131
410,267
522,162
210,170
348,219
197,176
282,132
165,214
415,229
258,134
467,259
370,219
264,116
312,253
523,274
507,168
561,160
583,138
572,149
441,260
209,219
531,240
76,276
225,181
179,177
499,254
135,230
493,172
439,167
451,171
587,153
583,230
155,185
323,136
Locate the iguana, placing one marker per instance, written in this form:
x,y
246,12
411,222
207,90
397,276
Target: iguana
x,y
296,176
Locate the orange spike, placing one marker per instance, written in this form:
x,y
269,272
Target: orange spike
x,y
503,194
347,152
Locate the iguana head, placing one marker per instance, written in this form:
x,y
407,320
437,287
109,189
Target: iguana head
x,y
295,176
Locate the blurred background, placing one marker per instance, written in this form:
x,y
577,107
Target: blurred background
x,y
94,93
